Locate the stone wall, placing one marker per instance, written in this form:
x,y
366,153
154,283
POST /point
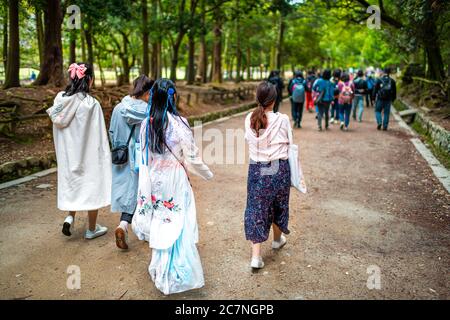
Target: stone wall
x,y
21,168
438,134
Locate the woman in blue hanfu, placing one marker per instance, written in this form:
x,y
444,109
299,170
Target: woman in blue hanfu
x,y
165,215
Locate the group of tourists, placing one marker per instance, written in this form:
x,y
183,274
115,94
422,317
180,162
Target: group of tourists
x,y
142,172
337,96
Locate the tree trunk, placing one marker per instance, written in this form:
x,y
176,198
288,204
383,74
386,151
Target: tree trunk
x,y
238,45
174,61
145,34
102,74
90,47
5,34
83,45
72,50
13,64
40,34
203,56
125,61
280,43
217,62
52,69
249,64
432,48
191,59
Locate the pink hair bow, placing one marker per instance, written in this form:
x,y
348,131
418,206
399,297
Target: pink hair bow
x,y
77,70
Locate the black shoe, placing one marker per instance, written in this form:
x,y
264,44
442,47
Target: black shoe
x,y
66,229
299,125
379,127
384,129
342,126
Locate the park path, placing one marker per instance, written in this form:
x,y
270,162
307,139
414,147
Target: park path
x,y
372,201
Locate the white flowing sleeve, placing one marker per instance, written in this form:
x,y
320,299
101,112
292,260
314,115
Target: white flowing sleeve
x,y
190,152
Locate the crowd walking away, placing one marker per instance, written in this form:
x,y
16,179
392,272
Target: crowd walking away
x,y
140,166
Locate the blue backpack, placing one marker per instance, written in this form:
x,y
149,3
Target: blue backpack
x,y
298,91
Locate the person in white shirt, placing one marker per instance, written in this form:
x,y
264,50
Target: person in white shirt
x,y
269,180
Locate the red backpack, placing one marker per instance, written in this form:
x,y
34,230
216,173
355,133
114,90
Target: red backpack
x,y
346,94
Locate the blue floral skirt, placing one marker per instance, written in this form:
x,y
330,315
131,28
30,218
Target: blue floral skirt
x,y
268,187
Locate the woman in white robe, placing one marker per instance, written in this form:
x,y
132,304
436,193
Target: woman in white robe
x,y
166,213
82,151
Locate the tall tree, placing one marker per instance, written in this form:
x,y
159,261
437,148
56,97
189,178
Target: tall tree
x,y
5,34
217,47
51,71
13,62
145,37
39,32
72,47
203,56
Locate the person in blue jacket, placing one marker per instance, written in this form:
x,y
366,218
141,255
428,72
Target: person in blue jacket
x,y
125,123
325,90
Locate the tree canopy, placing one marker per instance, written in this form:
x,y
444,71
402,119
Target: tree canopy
x,y
213,40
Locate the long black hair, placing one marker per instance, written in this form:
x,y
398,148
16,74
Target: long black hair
x,y
162,100
77,85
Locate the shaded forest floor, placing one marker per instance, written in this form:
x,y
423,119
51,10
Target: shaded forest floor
x,y
33,138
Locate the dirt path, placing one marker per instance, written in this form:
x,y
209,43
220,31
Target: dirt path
x,y
372,201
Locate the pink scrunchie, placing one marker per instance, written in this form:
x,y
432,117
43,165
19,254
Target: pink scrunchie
x,y
77,70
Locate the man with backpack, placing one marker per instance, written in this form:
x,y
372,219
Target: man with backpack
x,y
325,95
296,90
385,93
360,92
309,85
275,79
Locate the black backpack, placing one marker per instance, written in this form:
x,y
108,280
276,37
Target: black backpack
x,y
385,92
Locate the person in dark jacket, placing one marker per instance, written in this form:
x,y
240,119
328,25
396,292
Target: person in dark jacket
x,y
274,78
360,92
385,93
296,90
325,90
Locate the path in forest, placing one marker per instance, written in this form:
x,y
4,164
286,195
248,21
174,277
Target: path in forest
x,y
372,201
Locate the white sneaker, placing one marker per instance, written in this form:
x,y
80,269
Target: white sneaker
x,y
257,263
99,231
279,244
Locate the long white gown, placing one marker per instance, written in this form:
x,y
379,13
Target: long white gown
x,y
165,215
82,153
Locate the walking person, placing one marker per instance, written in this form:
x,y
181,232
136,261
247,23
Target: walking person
x,y
360,86
166,215
82,151
370,87
124,131
385,93
269,180
346,94
296,89
309,85
325,91
275,79
335,104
